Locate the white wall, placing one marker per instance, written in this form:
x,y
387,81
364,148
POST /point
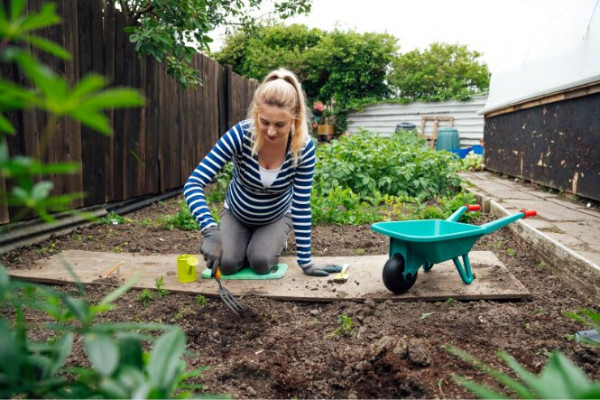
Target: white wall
x,y
382,118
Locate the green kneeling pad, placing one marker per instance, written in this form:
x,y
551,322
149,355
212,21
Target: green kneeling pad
x,y
247,274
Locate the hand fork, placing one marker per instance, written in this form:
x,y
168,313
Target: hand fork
x,y
226,296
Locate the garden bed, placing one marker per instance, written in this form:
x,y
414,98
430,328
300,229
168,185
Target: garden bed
x,y
298,349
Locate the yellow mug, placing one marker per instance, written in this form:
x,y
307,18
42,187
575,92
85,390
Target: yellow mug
x,y
186,268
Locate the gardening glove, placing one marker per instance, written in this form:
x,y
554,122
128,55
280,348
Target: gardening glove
x,y
212,248
321,270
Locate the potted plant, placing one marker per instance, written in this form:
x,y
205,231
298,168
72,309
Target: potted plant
x,y
326,127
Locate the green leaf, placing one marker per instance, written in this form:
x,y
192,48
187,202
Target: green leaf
x,y
46,17
79,309
131,353
478,390
49,47
165,363
93,120
63,349
6,126
114,98
17,8
103,352
88,84
121,290
41,190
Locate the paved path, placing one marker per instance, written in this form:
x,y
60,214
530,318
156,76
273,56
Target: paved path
x,y
565,232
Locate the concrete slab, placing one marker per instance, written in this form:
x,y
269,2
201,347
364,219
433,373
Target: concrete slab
x,y
493,280
546,210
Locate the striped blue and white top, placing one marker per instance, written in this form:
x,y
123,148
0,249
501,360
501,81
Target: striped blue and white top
x,y
247,198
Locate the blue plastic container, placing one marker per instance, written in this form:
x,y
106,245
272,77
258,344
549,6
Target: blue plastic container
x,y
462,153
477,149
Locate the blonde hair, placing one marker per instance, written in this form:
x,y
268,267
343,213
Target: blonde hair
x,y
281,89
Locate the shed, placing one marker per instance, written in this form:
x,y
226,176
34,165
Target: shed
x,y
542,116
382,118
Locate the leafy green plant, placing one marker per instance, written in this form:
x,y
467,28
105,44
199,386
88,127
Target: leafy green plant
x,y
559,379
473,162
200,300
587,317
145,297
113,218
346,327
372,166
160,287
183,220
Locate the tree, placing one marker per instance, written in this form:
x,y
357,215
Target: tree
x,y
172,31
442,72
338,65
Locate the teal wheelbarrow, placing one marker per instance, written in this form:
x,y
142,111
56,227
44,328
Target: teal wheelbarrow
x,y
424,243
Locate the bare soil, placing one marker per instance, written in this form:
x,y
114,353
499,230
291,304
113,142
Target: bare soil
x,y
289,349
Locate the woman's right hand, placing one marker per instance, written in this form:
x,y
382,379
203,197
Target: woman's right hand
x,y
321,270
212,248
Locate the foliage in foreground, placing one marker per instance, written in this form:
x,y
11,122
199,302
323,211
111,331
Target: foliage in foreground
x,y
559,379
119,367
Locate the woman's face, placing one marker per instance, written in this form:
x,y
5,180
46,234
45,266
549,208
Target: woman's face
x,y
274,123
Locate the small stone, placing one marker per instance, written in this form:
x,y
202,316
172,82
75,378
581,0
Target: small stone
x,y
314,312
363,365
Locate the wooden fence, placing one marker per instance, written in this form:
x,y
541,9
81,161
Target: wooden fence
x,y
154,148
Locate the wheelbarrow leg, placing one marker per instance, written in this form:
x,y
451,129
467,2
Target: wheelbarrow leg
x,y
464,271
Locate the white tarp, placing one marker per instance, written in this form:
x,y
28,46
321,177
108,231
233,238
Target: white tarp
x,y
563,54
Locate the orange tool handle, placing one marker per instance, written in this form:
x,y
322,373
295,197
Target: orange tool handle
x,y
529,213
473,207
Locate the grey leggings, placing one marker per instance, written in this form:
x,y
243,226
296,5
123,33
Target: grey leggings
x,y
256,246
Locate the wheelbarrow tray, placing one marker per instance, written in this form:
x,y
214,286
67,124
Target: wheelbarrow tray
x,y
431,240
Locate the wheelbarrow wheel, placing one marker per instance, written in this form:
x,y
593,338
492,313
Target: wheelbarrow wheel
x,y
393,275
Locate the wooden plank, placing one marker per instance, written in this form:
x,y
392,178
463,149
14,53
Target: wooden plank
x,y
163,132
120,132
109,40
133,184
72,132
493,279
152,117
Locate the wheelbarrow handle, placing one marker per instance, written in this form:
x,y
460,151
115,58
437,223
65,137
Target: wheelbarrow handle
x,y
529,213
466,208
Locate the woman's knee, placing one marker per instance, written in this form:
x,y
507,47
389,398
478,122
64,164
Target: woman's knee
x,y
230,265
261,264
